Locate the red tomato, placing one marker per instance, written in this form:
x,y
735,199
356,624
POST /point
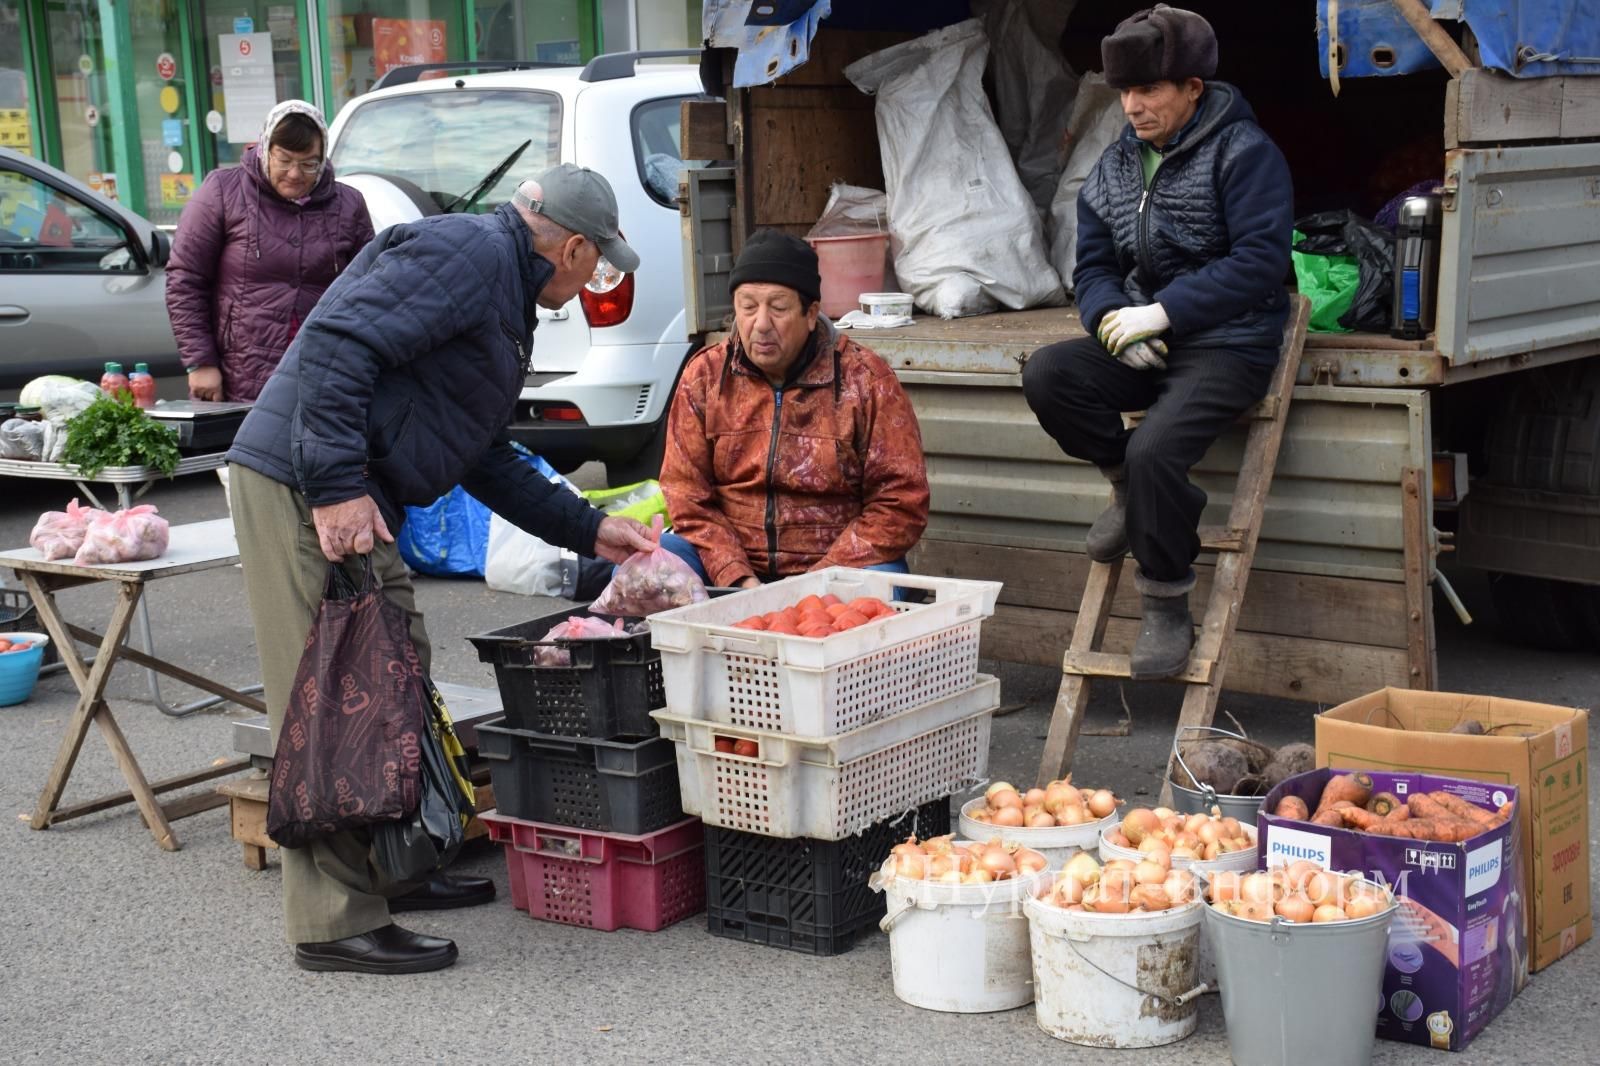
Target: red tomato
x,y
785,627
850,619
723,744
816,630
836,609
870,606
750,623
830,599
747,747
807,602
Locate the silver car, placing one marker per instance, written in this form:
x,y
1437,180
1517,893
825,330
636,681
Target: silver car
x,y
82,279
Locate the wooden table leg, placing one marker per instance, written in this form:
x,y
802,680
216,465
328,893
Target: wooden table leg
x,y
92,707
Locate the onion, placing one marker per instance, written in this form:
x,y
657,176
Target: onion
x,y
1225,886
1193,822
940,865
949,877
1258,887
1149,873
914,866
1011,817
1184,851
1041,820
1115,884
1005,798
1296,907
1057,796
1117,837
1362,907
1139,823
939,845
997,861
1322,888
1208,833
1208,852
1150,897
977,877
1030,862
1067,890
998,786
1102,803
1071,814
1034,797
1301,871
982,814
1125,865
1255,910
1179,886
1082,868
1163,813
1231,828
1328,913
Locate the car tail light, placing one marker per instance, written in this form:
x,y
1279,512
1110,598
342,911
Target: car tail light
x,y
560,412
608,308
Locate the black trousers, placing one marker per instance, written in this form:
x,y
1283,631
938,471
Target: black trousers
x,y
1079,391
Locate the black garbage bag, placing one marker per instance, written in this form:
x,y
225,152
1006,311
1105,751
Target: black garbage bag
x,y
1347,233
410,849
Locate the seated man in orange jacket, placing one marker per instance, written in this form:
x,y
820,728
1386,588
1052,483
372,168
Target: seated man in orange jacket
x,y
790,447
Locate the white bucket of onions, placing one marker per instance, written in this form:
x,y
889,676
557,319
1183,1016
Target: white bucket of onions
x,y
1186,839
1058,820
958,940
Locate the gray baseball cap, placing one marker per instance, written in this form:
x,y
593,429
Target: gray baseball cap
x,y
581,200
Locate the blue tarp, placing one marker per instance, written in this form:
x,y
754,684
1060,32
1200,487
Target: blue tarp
x,y
1525,38
770,47
450,537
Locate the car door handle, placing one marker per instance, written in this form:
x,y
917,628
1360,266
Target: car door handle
x,y
12,313
560,314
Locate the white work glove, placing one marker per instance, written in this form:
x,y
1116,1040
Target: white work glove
x,y
1129,325
1144,355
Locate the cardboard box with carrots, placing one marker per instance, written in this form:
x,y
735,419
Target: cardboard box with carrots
x,y
1539,748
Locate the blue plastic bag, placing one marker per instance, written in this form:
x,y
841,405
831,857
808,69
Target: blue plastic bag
x,y
450,537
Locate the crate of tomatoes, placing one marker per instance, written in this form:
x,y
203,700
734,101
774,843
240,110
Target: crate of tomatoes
x,y
823,653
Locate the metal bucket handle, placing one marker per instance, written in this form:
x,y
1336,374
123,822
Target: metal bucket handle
x,y
1182,999
1208,795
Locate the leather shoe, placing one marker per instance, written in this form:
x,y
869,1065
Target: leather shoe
x,y
442,893
388,950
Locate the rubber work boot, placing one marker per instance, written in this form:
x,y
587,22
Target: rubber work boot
x,y
1166,630
1107,540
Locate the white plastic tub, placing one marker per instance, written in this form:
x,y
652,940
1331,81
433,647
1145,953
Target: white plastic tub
x,y
1115,980
819,687
961,948
1243,861
829,788
886,303
1058,844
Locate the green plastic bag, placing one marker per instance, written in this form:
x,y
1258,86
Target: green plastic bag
x,y
1329,282
641,501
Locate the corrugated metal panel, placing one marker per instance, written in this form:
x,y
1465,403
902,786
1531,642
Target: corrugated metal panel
x,y
997,478
1519,268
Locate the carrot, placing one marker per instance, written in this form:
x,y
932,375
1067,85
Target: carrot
x,y
1293,807
1333,818
1425,806
1399,814
1503,815
1364,820
1464,810
1355,788
1382,803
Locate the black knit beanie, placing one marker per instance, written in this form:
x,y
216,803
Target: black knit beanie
x,y
777,258
1159,44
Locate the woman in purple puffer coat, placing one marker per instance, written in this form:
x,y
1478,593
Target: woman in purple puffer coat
x,y
255,249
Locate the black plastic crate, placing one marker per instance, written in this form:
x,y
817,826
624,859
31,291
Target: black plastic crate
x,y
802,894
615,786
608,691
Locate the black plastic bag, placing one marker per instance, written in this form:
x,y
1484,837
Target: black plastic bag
x,y
1347,233
410,849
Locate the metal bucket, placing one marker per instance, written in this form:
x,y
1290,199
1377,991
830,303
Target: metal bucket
x,y
1300,992
1115,980
1191,801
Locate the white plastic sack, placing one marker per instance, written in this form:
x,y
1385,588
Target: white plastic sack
x,y
1033,88
966,237
1096,123
852,211
520,562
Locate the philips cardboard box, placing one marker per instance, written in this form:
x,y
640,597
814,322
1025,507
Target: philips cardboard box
x,y
1541,749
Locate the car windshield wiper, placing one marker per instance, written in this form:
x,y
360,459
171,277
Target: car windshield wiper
x,y
467,201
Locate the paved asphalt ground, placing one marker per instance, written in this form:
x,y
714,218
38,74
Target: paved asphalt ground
x,y
117,952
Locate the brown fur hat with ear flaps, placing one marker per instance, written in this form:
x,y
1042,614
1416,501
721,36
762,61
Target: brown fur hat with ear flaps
x,y
1159,44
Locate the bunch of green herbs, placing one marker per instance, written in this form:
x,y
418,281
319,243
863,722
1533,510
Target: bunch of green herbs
x,y
115,431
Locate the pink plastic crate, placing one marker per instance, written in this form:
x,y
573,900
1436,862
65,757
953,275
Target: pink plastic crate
x,y
603,880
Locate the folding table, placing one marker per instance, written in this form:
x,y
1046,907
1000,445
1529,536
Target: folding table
x,y
192,548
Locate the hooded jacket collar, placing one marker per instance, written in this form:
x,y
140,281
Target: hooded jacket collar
x,y
535,269
1220,105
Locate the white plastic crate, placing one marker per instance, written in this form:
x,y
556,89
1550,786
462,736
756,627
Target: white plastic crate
x,y
829,788
820,687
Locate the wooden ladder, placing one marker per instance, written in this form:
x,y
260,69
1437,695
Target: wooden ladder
x,y
1235,545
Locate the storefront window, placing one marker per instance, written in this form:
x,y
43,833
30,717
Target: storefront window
x,y
252,50
664,24
546,31
15,132
364,39
77,66
166,143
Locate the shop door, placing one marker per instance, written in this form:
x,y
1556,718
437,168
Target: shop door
x,y
16,109
255,57
161,74
83,113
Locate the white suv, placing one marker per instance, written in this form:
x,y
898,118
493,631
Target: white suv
x,y
604,366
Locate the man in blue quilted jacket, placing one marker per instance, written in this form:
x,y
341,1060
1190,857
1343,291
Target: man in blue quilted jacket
x,y
398,386
1183,248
